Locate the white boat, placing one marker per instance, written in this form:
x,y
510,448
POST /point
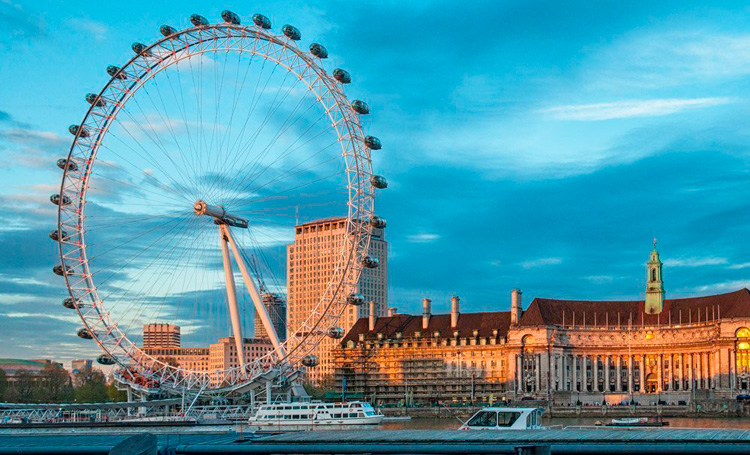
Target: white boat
x,y
314,415
505,419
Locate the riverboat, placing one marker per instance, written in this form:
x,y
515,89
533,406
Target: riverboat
x,y
505,419
637,422
314,415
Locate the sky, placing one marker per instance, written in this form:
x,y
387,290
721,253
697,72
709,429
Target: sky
x,y
532,145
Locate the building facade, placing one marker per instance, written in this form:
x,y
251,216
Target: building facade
x,y
218,356
564,351
310,266
276,308
161,335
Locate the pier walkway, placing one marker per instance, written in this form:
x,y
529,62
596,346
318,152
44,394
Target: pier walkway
x,y
563,441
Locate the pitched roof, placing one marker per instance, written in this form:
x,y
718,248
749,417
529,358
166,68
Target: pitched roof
x,y
408,325
600,313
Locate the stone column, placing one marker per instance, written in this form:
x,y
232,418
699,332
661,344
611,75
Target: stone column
x,y
519,373
537,373
618,371
733,369
690,371
595,373
607,387
671,373
630,373
642,373
584,374
660,373
680,376
573,373
560,372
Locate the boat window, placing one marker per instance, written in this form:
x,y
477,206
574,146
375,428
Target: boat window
x,y
484,419
506,419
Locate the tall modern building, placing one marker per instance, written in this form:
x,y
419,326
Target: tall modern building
x,y
310,263
276,308
161,335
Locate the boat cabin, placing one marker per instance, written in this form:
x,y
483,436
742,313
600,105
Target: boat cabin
x,y
505,419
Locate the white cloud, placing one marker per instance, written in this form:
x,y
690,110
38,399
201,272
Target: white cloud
x,y
423,238
725,286
694,262
541,262
600,279
743,265
96,29
628,109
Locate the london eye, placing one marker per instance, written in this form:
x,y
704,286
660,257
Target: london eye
x,y
183,184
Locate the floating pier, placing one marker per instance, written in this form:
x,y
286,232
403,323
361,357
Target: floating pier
x,y
562,441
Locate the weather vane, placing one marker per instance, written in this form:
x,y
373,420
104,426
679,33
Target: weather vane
x,y
654,242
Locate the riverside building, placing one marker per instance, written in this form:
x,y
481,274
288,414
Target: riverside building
x,y
565,351
310,264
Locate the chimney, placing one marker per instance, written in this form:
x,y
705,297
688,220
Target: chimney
x,y
425,313
516,306
372,315
392,311
454,311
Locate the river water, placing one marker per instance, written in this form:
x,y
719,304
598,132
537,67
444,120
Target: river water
x,y
674,422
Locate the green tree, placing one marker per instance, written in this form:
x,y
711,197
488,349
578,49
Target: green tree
x,y
91,386
3,385
53,384
23,387
114,394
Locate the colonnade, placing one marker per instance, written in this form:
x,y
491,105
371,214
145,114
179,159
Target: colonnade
x,y
607,372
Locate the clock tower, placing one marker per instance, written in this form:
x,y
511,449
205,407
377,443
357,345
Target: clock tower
x,y
654,284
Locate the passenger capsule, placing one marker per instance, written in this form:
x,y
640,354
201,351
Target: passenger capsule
x,y
64,163
378,181
291,32
310,360
140,48
69,304
55,199
371,262
73,129
167,31
335,333
85,334
114,71
58,269
104,359
377,222
342,76
230,18
373,143
318,50
360,107
94,100
58,235
262,21
355,299
197,20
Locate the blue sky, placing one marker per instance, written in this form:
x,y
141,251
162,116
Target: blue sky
x,y
538,145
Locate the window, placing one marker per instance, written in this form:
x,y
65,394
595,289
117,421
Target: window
x,y
483,419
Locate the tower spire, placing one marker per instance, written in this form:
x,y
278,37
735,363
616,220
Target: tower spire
x,y
654,284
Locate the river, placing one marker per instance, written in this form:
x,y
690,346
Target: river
x,y
674,422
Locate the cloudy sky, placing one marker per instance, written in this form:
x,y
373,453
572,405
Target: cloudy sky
x,y
538,145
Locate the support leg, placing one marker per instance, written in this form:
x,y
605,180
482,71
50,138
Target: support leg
x,y
234,311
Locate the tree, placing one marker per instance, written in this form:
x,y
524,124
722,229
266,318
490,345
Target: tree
x,y
3,385
92,388
23,387
53,384
114,394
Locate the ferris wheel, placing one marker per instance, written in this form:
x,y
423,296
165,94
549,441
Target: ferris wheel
x,y
201,154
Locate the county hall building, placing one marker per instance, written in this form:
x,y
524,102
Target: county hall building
x,y
564,351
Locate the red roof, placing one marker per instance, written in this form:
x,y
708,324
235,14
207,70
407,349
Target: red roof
x,y
544,312
408,325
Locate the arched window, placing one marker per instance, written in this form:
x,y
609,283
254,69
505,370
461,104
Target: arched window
x,y
742,332
653,274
